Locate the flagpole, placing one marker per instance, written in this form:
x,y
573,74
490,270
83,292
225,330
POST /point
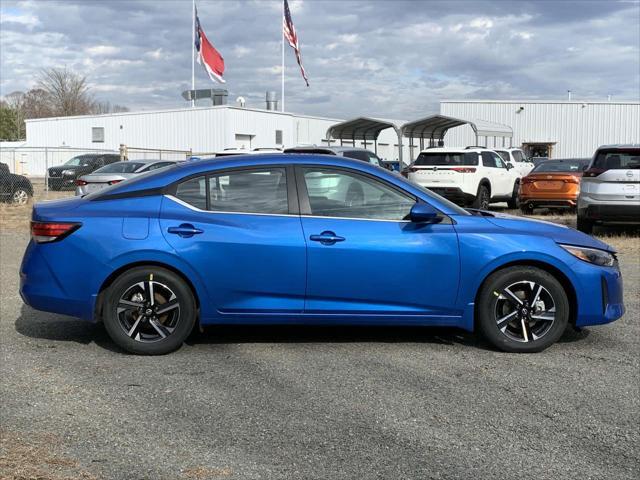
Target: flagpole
x,y
193,51
282,34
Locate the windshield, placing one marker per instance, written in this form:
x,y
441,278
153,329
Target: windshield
x,y
452,159
518,156
503,154
120,167
617,159
568,166
80,160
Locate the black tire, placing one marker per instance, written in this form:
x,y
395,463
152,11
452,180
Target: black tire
x,y
526,209
147,324
482,198
533,324
514,202
584,225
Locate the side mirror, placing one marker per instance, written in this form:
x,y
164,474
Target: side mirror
x,y
509,165
424,213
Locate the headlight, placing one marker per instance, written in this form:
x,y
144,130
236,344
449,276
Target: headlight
x,y
67,172
592,255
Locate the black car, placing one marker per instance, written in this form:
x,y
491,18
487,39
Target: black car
x,y
14,188
66,174
350,152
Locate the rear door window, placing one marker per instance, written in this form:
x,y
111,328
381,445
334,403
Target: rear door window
x,y
617,159
449,159
249,191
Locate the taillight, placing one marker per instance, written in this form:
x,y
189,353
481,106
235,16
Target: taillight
x,y
464,169
571,180
113,182
527,180
46,232
593,172
81,183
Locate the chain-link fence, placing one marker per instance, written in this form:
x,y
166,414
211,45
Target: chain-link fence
x,y
51,172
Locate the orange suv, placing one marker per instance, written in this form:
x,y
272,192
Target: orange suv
x,y
552,184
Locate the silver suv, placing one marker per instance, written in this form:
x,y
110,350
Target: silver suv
x,y
610,187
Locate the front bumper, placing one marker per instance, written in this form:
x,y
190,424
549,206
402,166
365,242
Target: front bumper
x,y
599,294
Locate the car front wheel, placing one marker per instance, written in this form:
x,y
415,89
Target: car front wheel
x,y
149,311
522,309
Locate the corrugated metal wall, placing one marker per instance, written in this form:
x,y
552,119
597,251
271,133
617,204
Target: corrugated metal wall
x,y
200,130
577,128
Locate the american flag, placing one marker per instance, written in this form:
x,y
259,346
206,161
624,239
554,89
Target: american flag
x,y
292,37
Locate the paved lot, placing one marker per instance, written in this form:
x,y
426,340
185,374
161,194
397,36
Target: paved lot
x,y
301,403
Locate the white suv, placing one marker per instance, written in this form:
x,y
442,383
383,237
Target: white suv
x,y
471,176
610,187
516,157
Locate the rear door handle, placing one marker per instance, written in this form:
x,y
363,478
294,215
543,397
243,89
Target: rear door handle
x,y
185,230
326,238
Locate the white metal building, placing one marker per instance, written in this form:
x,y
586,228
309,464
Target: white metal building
x,y
549,128
198,130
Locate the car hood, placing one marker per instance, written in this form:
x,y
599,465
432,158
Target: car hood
x,y
558,233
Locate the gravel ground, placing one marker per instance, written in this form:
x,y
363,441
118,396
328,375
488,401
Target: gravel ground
x,y
302,402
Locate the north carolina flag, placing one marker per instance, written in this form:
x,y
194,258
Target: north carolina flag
x,y
207,55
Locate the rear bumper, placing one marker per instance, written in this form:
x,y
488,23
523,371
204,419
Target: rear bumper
x,y
456,195
41,289
611,213
548,202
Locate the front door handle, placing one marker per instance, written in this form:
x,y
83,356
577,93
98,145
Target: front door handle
x,y
326,238
185,230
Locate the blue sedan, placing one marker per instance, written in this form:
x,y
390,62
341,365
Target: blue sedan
x,y
283,239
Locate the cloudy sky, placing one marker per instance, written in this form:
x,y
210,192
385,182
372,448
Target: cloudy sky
x,y
386,58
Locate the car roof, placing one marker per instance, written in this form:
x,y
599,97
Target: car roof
x,y
317,148
455,150
619,145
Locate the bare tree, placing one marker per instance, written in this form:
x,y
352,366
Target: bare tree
x,y
68,92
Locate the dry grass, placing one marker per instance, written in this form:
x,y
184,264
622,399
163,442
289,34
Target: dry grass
x,y
17,217
32,457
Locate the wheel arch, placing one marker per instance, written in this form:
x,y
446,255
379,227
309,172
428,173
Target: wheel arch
x,y
487,183
547,267
120,270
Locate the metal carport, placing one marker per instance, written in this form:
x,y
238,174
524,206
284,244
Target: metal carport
x,y
434,128
365,129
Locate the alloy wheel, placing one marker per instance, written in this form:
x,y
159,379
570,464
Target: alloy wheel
x,y
525,311
20,197
148,311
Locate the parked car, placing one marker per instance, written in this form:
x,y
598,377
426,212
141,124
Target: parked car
x,y
350,152
516,158
473,176
16,189
315,239
610,187
552,184
117,172
65,175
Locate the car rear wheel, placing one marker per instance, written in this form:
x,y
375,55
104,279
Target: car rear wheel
x,y
522,309
20,196
149,311
482,198
584,225
513,201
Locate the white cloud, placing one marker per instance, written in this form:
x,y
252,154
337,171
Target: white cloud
x,y
27,19
102,50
